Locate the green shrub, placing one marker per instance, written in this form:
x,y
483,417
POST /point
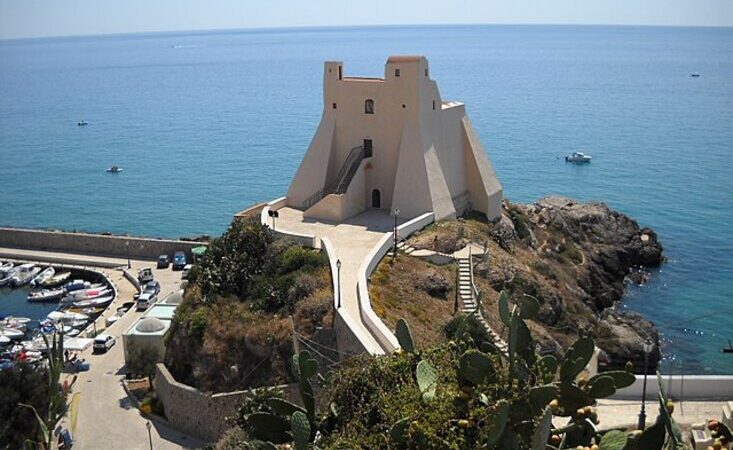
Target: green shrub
x,y
300,258
198,324
462,327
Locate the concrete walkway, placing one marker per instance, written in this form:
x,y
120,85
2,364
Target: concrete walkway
x,y
106,417
625,413
352,241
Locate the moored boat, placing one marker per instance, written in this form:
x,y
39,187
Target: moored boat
x,y
87,294
7,275
6,267
94,302
11,333
24,274
47,273
46,295
56,279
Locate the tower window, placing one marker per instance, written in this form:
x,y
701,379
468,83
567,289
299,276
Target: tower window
x,y
334,105
397,72
369,106
433,105
340,72
426,73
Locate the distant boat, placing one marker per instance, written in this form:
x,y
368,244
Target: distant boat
x,y
82,123
729,348
578,157
24,274
56,279
694,74
114,169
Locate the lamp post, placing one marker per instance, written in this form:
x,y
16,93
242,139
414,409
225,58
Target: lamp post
x,y
274,215
394,250
338,282
642,414
127,245
150,436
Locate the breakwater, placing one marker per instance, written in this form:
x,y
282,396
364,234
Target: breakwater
x,y
93,244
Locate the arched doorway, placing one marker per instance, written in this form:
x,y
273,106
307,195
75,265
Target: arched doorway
x,y
376,199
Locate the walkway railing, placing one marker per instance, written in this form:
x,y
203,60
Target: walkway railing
x,y
343,178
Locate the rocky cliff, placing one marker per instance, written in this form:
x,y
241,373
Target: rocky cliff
x,y
575,258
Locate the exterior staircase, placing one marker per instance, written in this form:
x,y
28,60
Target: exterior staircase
x,y
467,300
341,182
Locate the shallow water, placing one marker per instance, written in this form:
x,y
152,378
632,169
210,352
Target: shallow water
x,y
205,124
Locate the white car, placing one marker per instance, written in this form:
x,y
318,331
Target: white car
x,y
102,343
144,275
145,300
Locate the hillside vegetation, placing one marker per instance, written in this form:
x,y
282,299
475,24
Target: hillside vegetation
x,y
249,293
573,257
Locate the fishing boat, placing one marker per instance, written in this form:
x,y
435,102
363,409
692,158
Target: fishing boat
x,y
20,323
94,302
46,295
82,123
578,157
114,169
45,274
6,276
56,279
24,274
729,348
694,75
88,294
11,333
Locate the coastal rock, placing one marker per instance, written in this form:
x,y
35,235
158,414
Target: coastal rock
x,y
434,283
622,335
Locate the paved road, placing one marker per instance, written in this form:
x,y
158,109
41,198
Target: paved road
x,y
106,418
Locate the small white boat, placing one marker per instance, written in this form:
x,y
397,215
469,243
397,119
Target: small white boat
x,y
578,157
20,323
7,275
87,294
111,320
82,123
4,340
56,279
694,74
12,333
94,302
47,273
55,315
74,332
46,295
6,267
24,274
114,169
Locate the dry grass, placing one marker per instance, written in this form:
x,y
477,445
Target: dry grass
x,y
395,293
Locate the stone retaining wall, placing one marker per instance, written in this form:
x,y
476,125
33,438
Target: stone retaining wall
x,y
93,244
197,413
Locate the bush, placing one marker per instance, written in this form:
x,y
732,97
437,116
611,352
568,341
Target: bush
x,y
299,258
27,384
462,327
198,323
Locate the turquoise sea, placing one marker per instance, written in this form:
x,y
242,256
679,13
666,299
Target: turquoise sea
x,y
206,123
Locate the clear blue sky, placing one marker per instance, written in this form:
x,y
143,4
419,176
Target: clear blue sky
x,y
32,18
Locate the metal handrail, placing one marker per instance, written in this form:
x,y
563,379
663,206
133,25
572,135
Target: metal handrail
x,y
342,180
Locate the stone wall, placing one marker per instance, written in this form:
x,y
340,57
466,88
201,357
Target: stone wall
x,y
197,413
93,244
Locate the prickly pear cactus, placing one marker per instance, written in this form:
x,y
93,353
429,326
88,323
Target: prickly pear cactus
x,y
301,430
427,379
474,367
404,337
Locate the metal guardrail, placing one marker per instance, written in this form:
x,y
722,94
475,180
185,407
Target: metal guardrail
x,y
342,180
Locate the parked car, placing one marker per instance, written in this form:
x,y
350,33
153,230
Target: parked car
x,y
186,269
163,261
179,261
152,287
102,343
145,300
144,275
